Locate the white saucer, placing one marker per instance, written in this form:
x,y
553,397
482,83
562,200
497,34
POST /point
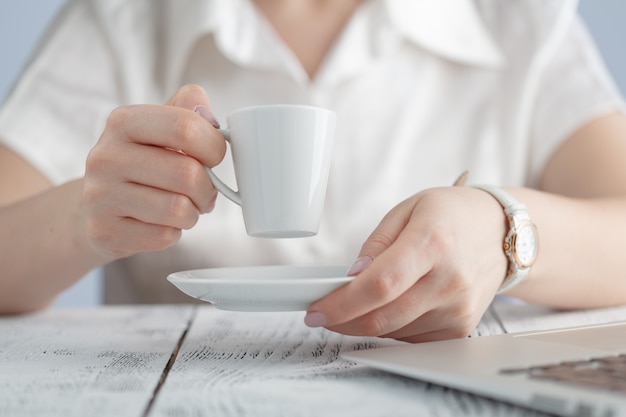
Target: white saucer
x,y
261,288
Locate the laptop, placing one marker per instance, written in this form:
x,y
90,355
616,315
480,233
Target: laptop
x,y
567,372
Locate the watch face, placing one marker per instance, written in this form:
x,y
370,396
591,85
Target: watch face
x,y
525,245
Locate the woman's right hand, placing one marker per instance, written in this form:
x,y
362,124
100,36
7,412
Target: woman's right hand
x,y
145,179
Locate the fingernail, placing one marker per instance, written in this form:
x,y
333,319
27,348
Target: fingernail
x,y
359,265
315,319
206,113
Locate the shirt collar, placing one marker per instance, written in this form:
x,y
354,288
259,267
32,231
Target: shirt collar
x,y
233,23
452,29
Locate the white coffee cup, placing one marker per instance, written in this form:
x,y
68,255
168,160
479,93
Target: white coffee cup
x,y
281,156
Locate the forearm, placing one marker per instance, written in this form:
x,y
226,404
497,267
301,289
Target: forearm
x,y
581,263
42,248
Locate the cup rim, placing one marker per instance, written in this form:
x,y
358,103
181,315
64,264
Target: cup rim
x,y
285,106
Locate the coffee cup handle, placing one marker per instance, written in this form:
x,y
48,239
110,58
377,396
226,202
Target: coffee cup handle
x,y
228,192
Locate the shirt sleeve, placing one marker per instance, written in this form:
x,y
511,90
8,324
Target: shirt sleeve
x,y
59,105
574,88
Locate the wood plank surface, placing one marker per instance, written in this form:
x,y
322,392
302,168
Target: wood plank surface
x,y
271,364
92,362
178,361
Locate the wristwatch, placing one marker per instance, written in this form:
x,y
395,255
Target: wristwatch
x,y
521,242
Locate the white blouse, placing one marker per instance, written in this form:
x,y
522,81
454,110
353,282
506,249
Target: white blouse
x,y
422,89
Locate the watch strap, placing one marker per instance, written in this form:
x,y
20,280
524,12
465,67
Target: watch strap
x,y
512,208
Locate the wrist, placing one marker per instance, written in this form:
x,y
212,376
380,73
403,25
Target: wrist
x,y
520,244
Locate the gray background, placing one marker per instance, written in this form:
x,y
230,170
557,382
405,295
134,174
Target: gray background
x,y
23,22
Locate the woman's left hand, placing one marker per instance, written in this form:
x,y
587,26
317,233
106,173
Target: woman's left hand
x,y
428,272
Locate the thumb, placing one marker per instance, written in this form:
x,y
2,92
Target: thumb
x,y
193,97
385,234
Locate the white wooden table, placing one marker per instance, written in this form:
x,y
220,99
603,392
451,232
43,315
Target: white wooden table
x,y
178,361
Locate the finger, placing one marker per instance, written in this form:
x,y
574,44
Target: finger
x,y
391,274
188,97
385,234
156,167
141,237
430,330
437,301
126,236
193,97
452,321
458,316
144,204
442,302
168,171
154,206
443,334
416,313
168,127
410,305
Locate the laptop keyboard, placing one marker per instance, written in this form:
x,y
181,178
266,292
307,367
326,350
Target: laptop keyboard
x,y
606,373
